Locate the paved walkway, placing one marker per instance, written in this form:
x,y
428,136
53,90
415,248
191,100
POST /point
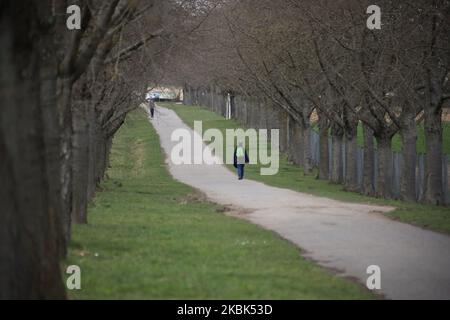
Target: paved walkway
x,y
415,263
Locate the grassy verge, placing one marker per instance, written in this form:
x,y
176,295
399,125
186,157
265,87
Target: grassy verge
x,y
291,177
151,237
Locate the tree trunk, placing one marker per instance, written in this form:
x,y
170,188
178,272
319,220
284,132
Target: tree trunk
x,y
291,142
307,157
64,101
433,171
187,95
29,263
80,162
336,171
384,185
408,133
351,150
297,143
283,131
369,163
324,173
52,133
351,146
91,185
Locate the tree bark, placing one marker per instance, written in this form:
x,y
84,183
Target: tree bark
x,y
92,141
307,157
351,146
29,264
384,184
290,147
351,150
64,101
283,132
297,143
433,172
324,173
436,79
369,163
80,163
52,133
337,137
408,133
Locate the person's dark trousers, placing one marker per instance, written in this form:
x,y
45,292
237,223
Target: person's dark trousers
x,y
240,170
152,112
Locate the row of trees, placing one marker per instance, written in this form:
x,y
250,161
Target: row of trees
x,y
319,57
64,93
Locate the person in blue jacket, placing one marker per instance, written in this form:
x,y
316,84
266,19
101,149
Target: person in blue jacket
x,y
240,159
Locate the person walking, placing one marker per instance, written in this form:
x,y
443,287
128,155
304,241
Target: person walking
x,y
151,107
240,159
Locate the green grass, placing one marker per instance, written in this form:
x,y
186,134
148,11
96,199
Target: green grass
x,y
291,176
150,237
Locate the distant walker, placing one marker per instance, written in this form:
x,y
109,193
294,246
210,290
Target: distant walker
x,y
240,159
151,107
